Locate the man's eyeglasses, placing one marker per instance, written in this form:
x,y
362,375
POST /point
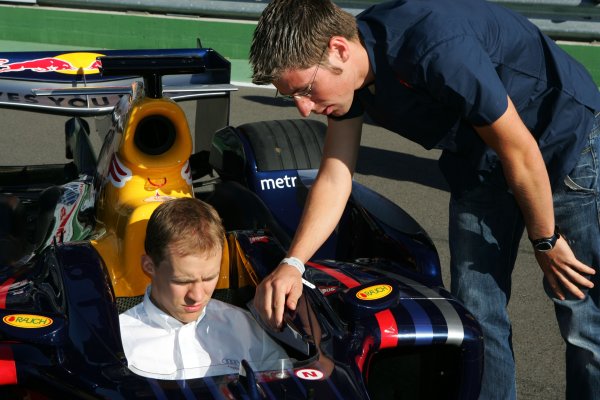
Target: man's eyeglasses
x,y
307,91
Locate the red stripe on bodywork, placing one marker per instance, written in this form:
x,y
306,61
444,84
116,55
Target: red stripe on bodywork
x,y
367,345
8,368
4,291
388,327
340,276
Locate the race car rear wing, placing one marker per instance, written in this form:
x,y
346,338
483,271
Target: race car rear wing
x,y
72,83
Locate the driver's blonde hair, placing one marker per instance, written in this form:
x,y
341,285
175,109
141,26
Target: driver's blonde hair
x,y
183,226
292,34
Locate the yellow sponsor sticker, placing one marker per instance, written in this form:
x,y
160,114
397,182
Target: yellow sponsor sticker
x,y
374,292
27,321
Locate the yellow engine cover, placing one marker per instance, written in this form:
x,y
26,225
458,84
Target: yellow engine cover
x,y
135,183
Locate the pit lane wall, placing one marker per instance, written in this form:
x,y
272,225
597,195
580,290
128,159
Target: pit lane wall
x,y
227,26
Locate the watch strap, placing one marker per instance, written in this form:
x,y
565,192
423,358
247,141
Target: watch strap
x,y
547,243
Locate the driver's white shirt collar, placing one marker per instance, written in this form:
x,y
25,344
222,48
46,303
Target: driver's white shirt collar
x,y
163,319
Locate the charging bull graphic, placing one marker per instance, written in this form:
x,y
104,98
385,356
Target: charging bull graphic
x,y
70,63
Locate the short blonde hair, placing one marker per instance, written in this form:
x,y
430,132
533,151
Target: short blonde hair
x,y
186,226
291,34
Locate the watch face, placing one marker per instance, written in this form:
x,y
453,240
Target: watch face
x,y
544,246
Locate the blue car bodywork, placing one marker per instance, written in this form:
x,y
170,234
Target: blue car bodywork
x,y
379,323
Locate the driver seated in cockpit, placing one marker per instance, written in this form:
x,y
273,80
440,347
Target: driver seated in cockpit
x,y
178,331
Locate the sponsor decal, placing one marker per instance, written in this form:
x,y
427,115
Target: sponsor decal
x,y
374,292
72,192
231,363
309,374
68,63
28,99
258,239
328,290
278,183
158,198
118,174
27,321
71,197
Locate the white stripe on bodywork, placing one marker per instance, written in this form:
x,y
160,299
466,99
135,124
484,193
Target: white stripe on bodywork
x,y
456,331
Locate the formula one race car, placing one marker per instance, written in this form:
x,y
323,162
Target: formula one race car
x,y
377,324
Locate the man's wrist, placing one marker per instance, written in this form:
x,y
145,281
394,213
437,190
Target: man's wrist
x,y
546,243
294,262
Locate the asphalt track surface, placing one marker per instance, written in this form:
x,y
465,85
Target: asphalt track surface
x,y
400,170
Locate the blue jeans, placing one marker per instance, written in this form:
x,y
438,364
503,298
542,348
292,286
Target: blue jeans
x,y
485,229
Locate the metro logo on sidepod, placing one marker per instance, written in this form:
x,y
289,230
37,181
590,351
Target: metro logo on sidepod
x,y
27,321
374,292
68,63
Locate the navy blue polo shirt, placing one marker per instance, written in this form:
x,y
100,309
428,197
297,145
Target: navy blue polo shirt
x,y
442,66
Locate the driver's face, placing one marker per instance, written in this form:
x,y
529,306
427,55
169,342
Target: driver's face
x,y
331,93
183,285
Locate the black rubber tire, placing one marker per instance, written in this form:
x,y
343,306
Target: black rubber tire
x,y
286,144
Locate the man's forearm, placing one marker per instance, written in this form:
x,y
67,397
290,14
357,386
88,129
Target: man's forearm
x,y
328,196
524,170
530,184
322,212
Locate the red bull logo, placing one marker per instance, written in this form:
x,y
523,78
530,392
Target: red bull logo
x,y
68,63
374,292
27,321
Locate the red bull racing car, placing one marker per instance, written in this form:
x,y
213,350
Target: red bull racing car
x,y
377,325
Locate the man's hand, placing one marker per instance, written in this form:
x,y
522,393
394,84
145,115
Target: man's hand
x,y
282,288
526,174
563,271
